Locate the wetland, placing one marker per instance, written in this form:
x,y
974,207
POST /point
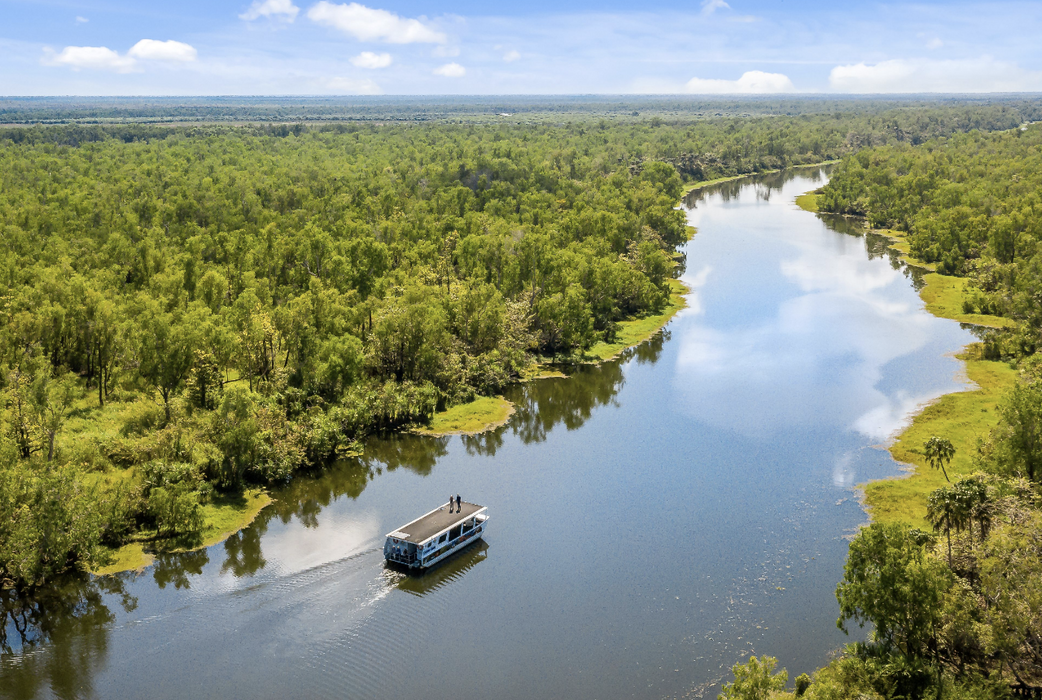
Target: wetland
x,y
654,518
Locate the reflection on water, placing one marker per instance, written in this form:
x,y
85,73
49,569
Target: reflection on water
x,y
416,453
175,567
71,620
691,510
243,551
446,572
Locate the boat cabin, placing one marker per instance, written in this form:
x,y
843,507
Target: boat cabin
x,y
435,535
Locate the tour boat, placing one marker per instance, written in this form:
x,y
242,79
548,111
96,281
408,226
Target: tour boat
x,y
434,536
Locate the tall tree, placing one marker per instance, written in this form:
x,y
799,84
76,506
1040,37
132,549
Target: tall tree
x,y
939,453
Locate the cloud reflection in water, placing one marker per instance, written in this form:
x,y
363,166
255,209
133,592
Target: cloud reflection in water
x,y
817,349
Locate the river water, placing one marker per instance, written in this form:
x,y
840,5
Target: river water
x,y
653,520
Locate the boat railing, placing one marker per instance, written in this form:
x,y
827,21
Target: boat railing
x,y
403,557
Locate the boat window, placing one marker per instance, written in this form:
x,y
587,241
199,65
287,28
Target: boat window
x,y
443,538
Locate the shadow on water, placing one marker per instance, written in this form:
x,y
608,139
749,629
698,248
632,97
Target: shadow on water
x,y
71,619
443,574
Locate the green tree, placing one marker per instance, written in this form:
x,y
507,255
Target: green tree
x,y
939,453
944,511
176,509
166,345
52,399
755,680
890,582
1020,433
409,338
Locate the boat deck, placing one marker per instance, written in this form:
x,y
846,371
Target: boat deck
x,y
434,522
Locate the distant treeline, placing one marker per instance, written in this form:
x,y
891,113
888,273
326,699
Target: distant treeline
x,y
499,108
190,309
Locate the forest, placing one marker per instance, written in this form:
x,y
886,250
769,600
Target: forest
x,y
956,610
187,311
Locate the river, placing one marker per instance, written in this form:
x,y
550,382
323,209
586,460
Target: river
x,y
653,520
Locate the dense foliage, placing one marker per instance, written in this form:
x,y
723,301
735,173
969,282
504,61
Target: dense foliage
x,y
184,310
971,204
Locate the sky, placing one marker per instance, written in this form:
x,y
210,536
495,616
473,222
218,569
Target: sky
x,y
413,47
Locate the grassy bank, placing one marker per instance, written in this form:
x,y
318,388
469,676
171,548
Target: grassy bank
x,y
481,414
692,186
487,413
961,418
944,295
223,516
638,330
808,201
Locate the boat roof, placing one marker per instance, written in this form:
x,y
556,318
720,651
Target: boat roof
x,y
435,522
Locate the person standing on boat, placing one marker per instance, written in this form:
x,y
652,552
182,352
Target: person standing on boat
x,y
450,502
459,504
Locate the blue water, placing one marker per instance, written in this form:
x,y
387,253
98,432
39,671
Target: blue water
x,y
653,520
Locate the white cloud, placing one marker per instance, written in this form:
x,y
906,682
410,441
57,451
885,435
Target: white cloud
x,y
104,58
282,9
152,50
511,56
368,59
751,82
368,24
350,86
711,6
451,70
81,20
91,58
445,51
934,43
921,75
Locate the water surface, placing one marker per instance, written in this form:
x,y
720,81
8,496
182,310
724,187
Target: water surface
x,y
653,520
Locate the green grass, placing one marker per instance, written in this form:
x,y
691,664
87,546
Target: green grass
x,y
808,201
944,295
699,184
222,517
640,329
481,414
129,557
961,418
538,371
225,515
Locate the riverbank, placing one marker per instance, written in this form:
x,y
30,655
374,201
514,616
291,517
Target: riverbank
x,y
227,515
482,414
699,184
223,516
960,417
488,413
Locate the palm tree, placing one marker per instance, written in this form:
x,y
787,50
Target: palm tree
x,y
939,452
974,501
944,511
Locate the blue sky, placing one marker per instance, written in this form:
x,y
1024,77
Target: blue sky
x,y
280,47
